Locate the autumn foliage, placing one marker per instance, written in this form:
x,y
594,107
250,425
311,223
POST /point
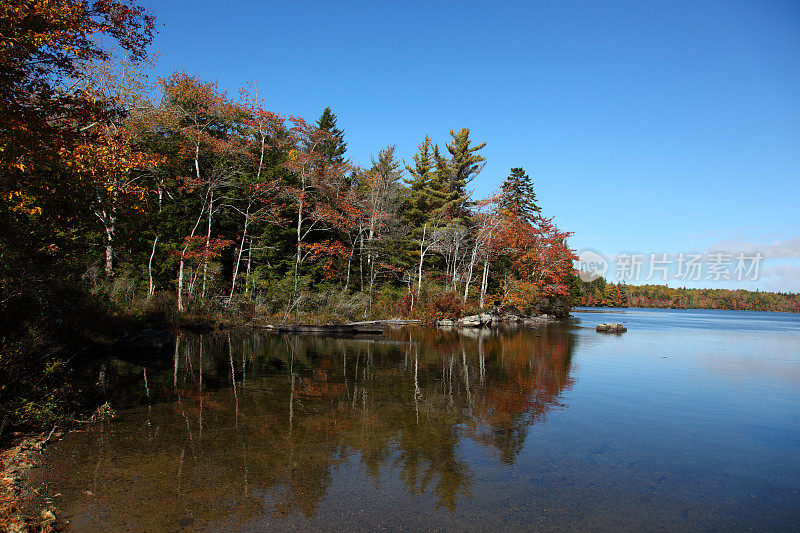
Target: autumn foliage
x,y
599,293
184,188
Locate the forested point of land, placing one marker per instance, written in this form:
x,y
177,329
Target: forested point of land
x,y
128,201
600,293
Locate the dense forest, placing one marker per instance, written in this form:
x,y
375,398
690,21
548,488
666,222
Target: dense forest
x,y
127,199
134,190
600,293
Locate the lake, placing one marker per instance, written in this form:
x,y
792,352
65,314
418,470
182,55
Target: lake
x,y
689,421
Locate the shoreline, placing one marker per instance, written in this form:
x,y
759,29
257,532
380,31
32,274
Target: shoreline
x,y
16,459
23,450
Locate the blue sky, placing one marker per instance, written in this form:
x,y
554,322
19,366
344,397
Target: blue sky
x,y
649,127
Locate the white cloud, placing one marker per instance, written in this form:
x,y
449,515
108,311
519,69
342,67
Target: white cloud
x,y
787,249
781,278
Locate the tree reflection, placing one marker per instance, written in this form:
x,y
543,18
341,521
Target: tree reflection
x,y
242,424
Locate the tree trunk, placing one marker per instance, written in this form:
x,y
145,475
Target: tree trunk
x,y
208,241
193,274
349,262
247,214
241,248
421,259
196,224
469,271
180,284
110,251
361,262
370,258
484,280
298,257
410,288
455,261
249,263
151,289
109,221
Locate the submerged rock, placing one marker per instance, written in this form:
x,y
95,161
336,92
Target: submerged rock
x,y
611,328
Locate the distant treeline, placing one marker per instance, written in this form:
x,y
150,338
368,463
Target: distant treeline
x,y
600,293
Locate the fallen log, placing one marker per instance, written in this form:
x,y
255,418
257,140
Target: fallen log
x,y
327,329
387,322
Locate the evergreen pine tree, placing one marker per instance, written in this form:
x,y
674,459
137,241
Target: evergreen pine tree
x,y
464,165
389,169
423,164
416,207
519,196
387,166
439,191
334,149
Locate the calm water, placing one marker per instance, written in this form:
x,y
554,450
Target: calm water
x,y
689,421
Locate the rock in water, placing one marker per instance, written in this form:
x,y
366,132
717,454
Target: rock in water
x,y
473,321
611,328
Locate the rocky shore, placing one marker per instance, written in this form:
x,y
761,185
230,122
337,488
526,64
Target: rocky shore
x,y
15,461
508,315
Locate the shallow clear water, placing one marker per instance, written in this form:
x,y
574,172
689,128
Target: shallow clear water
x,y
689,421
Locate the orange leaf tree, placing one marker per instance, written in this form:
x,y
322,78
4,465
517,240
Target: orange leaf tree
x,y
539,261
42,46
206,121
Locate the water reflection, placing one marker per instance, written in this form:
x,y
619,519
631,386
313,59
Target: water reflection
x,y
241,426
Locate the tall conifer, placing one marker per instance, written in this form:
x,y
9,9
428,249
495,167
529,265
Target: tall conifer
x,y
334,148
519,196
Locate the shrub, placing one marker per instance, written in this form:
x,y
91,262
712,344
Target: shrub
x,y
160,309
448,305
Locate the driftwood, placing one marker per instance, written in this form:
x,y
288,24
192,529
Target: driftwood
x,y
367,327
328,329
388,322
